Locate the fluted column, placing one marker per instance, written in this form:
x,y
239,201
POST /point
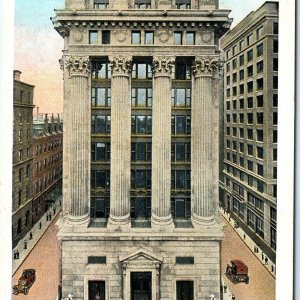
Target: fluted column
x,y
77,137
203,174
161,143
120,142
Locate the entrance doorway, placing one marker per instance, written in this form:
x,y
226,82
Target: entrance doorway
x,y
140,283
184,290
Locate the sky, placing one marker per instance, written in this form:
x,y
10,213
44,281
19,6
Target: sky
x,y
38,47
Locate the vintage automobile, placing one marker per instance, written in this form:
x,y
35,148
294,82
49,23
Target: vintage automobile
x,y
237,271
25,282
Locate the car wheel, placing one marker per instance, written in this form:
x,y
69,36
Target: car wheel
x,y
247,280
26,290
234,279
15,290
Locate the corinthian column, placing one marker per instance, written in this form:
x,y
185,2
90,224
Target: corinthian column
x,y
204,176
120,142
161,143
77,137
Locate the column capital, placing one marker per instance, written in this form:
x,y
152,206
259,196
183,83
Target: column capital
x,y
163,65
121,65
77,65
206,65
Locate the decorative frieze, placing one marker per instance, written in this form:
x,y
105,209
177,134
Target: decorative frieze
x,y
121,65
206,65
78,65
163,65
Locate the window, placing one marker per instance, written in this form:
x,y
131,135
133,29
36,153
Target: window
x,y
234,64
275,136
249,39
260,186
275,154
250,55
250,149
260,67
190,38
181,97
141,70
250,134
228,143
228,80
135,37
227,130
275,82
234,131
101,97
259,32
182,70
260,101
20,197
259,227
20,135
142,4
242,44
260,117
260,135
260,84
275,46
260,152
273,237
19,226
234,48
234,91
275,118
227,67
181,152
183,4
105,37
234,77
93,37
250,87
149,37
241,147
101,70
140,208
241,161
250,118
184,290
96,290
228,92
27,217
275,172
181,179
100,151
141,179
275,64
273,214
228,118
250,219
100,179
20,155
141,151
242,74
27,170
20,174
275,28
141,97
181,207
227,105
241,89
141,124
100,124
241,132
275,190
178,38
242,103
250,71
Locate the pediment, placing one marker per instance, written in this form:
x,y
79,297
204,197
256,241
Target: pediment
x,y
141,254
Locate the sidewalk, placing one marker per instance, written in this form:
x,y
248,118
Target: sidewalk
x,y
260,255
227,294
37,233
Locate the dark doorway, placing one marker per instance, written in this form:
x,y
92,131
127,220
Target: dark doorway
x,y
141,285
96,290
184,290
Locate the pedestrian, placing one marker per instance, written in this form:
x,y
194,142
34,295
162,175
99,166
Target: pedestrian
x,y
225,288
47,217
30,235
266,260
40,225
229,219
272,268
17,254
244,236
232,297
25,244
262,256
50,216
54,210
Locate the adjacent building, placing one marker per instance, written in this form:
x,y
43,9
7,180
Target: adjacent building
x,y
22,158
140,166
248,188
47,163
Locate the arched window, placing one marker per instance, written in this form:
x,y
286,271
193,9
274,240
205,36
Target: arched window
x,y
27,217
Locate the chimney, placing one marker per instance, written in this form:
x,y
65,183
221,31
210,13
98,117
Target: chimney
x,y
17,75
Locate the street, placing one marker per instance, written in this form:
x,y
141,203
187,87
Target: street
x,y
44,258
262,283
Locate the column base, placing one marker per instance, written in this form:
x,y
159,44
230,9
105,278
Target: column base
x,y
78,220
119,223
162,223
202,221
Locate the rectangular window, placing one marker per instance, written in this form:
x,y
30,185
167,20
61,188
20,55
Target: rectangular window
x,y
273,238
149,37
250,134
259,227
275,64
260,117
250,87
181,152
242,44
227,130
250,149
101,97
234,64
275,172
250,118
275,136
260,84
260,101
250,71
275,100
234,77
181,179
234,131
141,124
178,38
241,132
100,124
275,154
101,70
250,55
100,207
260,50
140,179
20,155
141,151
275,82
142,4
234,48
260,135
183,4
260,152
234,91
100,151
135,37
20,174
93,37
250,219
260,186
141,70
241,103
241,147
181,207
275,28
227,67
249,39
260,67
241,89
242,74
105,37
181,97
140,208
234,118
190,38
141,97
259,32
275,46
241,161
96,290
183,70
100,179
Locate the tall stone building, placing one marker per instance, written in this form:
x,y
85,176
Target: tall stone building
x,y
47,162
140,168
249,188
22,158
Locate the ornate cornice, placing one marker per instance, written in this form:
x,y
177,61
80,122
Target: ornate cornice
x,y
206,65
121,65
78,65
163,65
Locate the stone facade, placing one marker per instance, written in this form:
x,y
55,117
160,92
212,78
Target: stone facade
x,y
22,158
140,187
47,163
249,184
